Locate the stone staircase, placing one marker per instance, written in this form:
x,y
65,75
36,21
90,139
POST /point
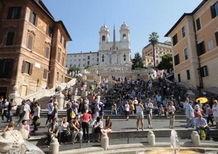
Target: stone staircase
x,y
42,96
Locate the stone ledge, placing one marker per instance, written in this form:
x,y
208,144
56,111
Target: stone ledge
x,y
82,151
134,148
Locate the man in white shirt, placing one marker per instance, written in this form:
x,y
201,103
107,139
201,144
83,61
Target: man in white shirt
x,y
127,110
26,112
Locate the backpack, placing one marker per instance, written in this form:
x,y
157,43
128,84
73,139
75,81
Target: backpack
x,y
72,115
202,134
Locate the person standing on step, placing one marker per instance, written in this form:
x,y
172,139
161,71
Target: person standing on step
x,y
50,108
215,112
171,113
36,116
149,112
140,115
86,118
127,110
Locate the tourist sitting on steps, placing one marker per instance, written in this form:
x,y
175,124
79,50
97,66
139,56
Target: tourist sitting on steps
x,y
76,131
53,130
65,131
202,127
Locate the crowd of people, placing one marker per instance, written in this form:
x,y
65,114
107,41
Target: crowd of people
x,y
160,98
127,96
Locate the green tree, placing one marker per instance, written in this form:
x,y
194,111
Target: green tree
x,y
166,63
73,69
137,62
153,39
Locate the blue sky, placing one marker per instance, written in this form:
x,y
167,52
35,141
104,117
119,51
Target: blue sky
x,y
83,19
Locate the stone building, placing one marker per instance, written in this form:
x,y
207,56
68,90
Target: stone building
x,y
195,46
32,48
82,60
160,50
111,54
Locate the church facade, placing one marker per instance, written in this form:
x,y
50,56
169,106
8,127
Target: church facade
x,y
111,54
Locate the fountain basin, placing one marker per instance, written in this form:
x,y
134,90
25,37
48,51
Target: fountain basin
x,y
171,151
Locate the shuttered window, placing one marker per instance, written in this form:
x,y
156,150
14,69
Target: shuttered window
x,y
27,67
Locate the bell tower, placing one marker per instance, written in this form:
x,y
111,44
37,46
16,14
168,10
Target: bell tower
x,y
104,36
124,33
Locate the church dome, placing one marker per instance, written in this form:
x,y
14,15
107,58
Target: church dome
x,y
104,28
124,26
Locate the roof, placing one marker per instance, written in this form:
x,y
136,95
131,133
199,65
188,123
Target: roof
x,y
185,14
65,29
82,53
45,9
159,43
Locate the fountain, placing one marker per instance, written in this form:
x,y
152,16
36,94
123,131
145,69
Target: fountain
x,y
174,142
175,147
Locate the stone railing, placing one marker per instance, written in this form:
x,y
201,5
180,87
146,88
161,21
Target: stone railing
x,y
49,92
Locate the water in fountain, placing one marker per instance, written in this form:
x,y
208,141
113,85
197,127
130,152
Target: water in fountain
x,y
174,141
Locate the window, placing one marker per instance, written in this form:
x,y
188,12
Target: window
x,y
183,31
14,12
200,48
61,38
57,76
176,59
10,38
204,71
45,74
214,10
88,57
179,78
124,36
102,58
47,52
59,56
210,45
27,67
62,78
6,68
65,44
103,38
88,63
186,53
63,61
32,18
198,24
124,57
30,42
175,39
49,30
216,36
188,75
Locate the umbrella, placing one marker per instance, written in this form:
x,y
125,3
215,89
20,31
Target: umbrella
x,y
202,100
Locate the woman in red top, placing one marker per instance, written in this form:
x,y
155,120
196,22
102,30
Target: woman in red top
x,y
86,118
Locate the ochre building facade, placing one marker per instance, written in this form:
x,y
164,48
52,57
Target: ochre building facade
x,y
160,50
195,46
32,48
